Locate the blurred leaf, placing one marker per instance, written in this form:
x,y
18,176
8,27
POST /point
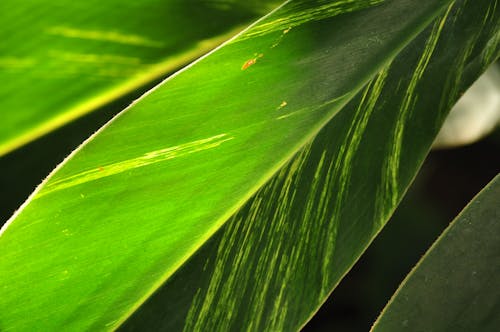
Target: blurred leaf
x,y
455,286
119,217
476,114
61,59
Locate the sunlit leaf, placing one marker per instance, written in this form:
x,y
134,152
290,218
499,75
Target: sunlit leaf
x,y
61,59
273,264
133,204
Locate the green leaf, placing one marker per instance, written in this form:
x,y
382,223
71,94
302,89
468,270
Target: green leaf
x,y
273,264
119,217
455,286
61,59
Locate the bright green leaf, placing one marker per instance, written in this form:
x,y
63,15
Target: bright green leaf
x,y
455,286
273,264
61,59
121,215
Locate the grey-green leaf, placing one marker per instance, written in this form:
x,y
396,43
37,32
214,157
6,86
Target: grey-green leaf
x,y
456,285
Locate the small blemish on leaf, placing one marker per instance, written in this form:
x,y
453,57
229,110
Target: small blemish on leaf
x,y
252,61
248,63
278,41
283,104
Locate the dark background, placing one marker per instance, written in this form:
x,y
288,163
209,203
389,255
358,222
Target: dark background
x,y
447,181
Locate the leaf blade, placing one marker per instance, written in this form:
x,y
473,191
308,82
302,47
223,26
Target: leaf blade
x,y
274,249
140,229
63,60
454,286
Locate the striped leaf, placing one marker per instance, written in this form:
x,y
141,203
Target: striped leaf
x,y
274,263
136,206
63,58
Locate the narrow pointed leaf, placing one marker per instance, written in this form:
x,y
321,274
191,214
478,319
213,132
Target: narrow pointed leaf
x,y
274,263
61,59
455,286
121,215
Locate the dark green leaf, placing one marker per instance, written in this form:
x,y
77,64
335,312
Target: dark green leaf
x,y
456,285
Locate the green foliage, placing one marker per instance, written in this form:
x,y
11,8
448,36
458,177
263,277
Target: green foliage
x,y
455,286
62,58
243,188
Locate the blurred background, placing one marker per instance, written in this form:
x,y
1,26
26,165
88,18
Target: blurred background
x,y
447,181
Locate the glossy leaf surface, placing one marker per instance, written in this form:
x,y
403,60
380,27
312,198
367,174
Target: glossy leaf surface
x,y
273,264
61,59
455,286
121,215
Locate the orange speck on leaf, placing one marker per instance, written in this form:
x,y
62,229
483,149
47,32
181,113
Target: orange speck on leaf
x,y
248,63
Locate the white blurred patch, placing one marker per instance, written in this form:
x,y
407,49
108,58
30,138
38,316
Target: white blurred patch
x,y
475,115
